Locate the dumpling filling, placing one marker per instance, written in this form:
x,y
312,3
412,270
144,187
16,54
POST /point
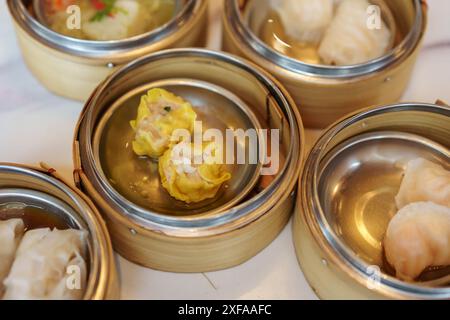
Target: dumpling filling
x,y
160,113
192,175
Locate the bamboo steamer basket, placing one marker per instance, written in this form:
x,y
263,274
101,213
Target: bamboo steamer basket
x,y
334,267
72,68
44,186
326,93
205,242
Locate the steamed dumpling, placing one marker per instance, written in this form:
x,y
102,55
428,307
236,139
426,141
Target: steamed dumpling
x,y
160,113
348,40
129,19
418,237
424,181
11,231
191,175
48,265
305,20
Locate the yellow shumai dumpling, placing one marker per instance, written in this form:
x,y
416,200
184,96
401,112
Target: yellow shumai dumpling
x,y
160,113
187,181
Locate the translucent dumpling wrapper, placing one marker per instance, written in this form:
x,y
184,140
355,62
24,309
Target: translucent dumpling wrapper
x,y
424,181
48,265
350,39
189,180
11,231
418,237
160,113
304,20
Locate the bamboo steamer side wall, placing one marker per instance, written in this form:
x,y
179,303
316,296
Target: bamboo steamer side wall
x,y
163,252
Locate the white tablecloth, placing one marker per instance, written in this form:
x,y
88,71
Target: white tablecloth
x,y
36,125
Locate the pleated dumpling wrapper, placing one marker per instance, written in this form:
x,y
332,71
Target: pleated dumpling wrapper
x,y
349,40
11,231
48,265
424,181
192,175
418,237
304,20
160,113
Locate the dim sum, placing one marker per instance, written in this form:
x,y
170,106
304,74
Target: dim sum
x,y
418,237
48,265
348,40
11,231
305,20
160,113
187,179
424,181
105,20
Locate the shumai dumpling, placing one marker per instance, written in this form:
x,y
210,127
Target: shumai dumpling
x,y
160,113
192,175
305,20
424,181
348,40
48,265
418,237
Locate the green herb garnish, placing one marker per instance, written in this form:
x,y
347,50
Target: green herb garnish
x,y
106,8
167,108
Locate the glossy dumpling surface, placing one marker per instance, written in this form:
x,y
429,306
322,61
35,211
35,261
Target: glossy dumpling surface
x,y
160,113
349,40
418,237
305,20
424,181
11,231
48,265
188,181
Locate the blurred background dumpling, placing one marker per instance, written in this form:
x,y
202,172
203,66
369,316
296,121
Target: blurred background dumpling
x,y
418,237
348,40
192,175
160,113
424,181
305,20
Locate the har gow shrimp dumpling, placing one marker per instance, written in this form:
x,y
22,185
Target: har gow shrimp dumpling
x,y
305,20
424,181
348,40
160,113
43,265
11,231
418,237
187,181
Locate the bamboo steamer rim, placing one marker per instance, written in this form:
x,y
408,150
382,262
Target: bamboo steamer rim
x,y
106,285
80,176
254,49
390,286
109,52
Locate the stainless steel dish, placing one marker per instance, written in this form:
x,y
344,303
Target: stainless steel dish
x,y
216,108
